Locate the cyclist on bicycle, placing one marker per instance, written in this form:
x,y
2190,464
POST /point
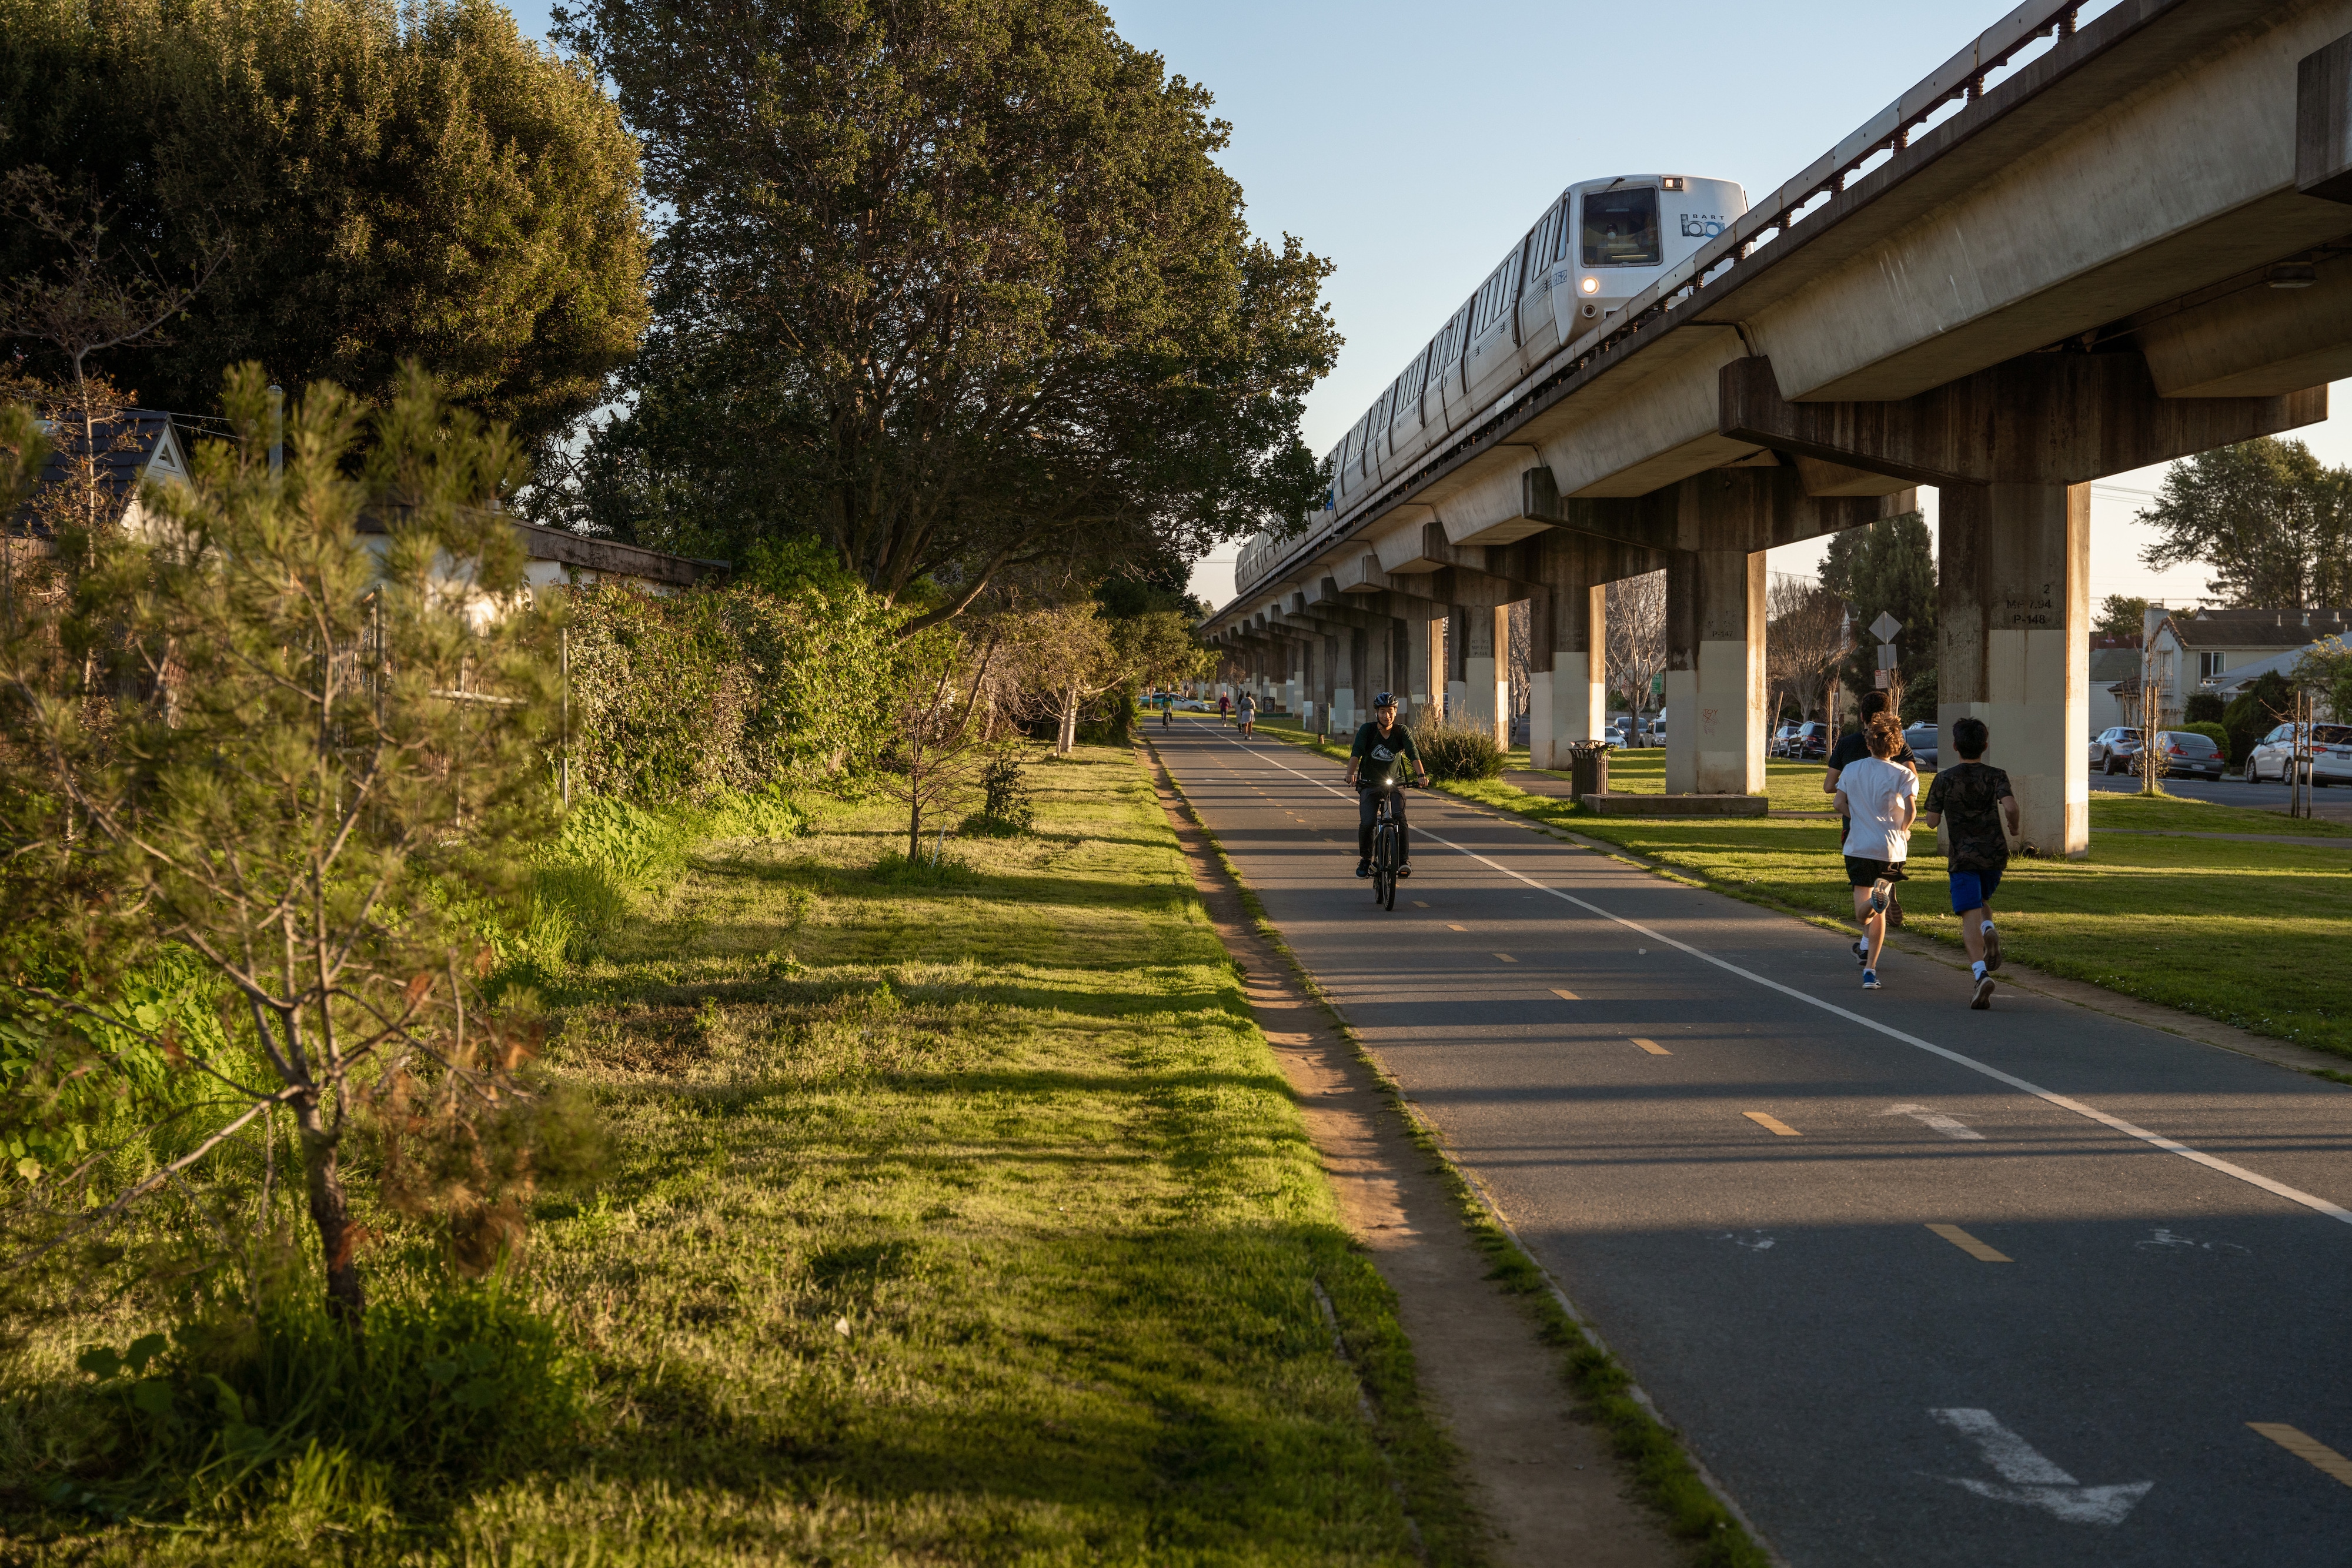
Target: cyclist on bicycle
x,y
1382,743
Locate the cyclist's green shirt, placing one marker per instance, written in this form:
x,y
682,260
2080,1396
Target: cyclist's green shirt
x,y
1371,745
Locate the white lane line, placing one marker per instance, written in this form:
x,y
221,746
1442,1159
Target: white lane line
x,y
2063,1101
1927,1115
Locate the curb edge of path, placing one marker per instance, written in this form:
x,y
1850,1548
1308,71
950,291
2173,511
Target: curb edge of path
x,y
1594,1376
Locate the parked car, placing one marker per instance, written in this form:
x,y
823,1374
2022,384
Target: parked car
x,y
1921,738
2188,755
2331,755
2116,749
1783,739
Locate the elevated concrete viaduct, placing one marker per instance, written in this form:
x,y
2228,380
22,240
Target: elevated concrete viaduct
x,y
2070,251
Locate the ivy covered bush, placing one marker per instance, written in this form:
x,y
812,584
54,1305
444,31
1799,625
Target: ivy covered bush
x,y
680,699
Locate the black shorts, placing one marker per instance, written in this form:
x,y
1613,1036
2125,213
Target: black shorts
x,y
1862,872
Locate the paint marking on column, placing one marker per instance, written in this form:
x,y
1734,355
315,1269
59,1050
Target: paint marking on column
x,y
2321,1458
1652,1046
1566,996
1772,1124
1970,1245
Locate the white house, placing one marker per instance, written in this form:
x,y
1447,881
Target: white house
x,y
144,444
2192,650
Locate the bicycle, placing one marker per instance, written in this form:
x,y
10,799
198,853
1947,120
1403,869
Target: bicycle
x,y
1387,843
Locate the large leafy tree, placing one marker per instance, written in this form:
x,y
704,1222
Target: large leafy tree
x,y
2272,523
953,285
384,182
1889,566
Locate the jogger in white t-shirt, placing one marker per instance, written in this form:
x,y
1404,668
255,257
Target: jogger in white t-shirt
x,y
1880,796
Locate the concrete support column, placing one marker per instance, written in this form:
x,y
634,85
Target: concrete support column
x,y
1714,673
1422,658
1457,664
1569,699
2013,606
1486,672
1346,643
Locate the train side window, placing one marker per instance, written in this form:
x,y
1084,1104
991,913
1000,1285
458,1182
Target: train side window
x,y
1538,270
1620,228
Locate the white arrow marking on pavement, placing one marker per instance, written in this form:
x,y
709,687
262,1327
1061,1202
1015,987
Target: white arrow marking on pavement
x,y
2063,1101
2033,1480
1950,1126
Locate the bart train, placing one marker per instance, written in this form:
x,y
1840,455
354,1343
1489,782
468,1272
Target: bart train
x,y
1600,244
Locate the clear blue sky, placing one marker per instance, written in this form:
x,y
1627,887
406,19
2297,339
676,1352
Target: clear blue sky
x,y
1411,144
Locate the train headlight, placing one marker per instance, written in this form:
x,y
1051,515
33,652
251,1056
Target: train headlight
x,y
1590,285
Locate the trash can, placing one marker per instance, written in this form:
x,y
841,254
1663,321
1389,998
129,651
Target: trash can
x,y
1588,768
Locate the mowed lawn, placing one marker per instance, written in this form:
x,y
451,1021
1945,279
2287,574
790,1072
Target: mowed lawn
x,y
960,1215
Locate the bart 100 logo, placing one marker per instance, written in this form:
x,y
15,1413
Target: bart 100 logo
x,y
1702,225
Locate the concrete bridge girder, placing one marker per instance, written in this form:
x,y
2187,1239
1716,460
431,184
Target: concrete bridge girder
x,y
2051,419
2037,226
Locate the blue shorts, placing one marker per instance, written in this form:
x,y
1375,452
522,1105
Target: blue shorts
x,y
1973,889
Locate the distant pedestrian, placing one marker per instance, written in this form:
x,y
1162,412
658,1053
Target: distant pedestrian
x,y
1248,711
1879,797
1983,812
1167,710
1224,706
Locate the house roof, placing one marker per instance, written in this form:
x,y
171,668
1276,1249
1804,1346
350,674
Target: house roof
x,y
146,442
2114,663
127,446
2257,628
2284,662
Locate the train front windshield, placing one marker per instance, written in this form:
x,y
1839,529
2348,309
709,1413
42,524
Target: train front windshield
x,y
1620,228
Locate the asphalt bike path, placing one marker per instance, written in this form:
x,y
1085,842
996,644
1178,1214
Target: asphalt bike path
x,y
1920,1284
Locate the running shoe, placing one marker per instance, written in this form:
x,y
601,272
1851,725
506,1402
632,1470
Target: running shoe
x,y
1983,999
1992,946
1869,979
1363,868
1862,954
1880,892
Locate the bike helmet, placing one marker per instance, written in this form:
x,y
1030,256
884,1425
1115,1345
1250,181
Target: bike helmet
x,y
1384,699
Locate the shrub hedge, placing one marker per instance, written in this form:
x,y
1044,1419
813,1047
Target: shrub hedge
x,y
1453,752
681,699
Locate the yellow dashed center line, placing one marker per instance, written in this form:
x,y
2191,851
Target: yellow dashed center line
x,y
1451,926
1418,903
1506,958
1772,1124
2324,1459
1970,1245
1652,1046
1565,995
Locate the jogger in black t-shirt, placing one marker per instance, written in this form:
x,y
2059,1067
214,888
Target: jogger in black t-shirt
x,y
1982,813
